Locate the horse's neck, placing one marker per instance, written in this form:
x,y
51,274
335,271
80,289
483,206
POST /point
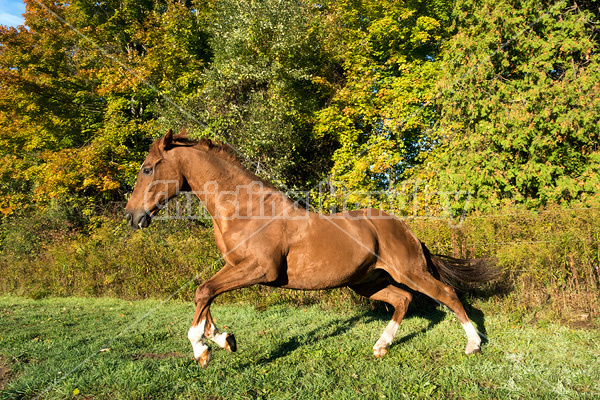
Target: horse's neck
x,y
227,190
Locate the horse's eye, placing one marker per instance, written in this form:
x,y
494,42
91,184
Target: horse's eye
x,y
147,171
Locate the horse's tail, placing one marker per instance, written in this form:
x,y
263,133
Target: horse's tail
x,y
461,274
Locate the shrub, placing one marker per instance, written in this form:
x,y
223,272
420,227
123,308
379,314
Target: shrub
x,y
550,260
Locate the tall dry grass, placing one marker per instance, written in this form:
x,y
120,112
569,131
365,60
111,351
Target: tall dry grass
x,y
549,260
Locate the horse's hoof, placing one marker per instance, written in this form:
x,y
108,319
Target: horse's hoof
x,y
472,350
379,352
204,358
230,343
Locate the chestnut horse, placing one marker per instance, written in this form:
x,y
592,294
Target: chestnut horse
x,y
266,238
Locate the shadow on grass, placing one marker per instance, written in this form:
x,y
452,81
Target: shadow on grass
x,y
421,307
318,334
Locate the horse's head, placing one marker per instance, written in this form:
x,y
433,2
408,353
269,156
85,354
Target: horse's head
x,y
159,180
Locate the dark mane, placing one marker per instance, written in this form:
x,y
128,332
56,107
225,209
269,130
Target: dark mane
x,y
223,151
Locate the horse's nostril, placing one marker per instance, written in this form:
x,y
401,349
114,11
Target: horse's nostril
x,y
129,217
144,221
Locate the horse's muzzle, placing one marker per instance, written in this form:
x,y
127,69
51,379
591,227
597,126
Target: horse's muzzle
x,y
137,220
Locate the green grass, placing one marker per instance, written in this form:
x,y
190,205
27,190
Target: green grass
x,y
306,352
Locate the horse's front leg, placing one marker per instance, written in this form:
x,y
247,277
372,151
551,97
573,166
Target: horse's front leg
x,y
223,339
196,334
227,279
206,329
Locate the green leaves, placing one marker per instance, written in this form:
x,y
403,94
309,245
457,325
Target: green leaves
x,y
518,112
270,73
381,115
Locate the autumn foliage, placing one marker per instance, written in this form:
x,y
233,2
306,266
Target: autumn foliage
x,y
497,99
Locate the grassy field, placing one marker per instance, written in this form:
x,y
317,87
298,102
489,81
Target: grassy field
x,y
50,347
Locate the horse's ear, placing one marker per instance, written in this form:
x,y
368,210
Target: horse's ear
x,y
167,141
184,133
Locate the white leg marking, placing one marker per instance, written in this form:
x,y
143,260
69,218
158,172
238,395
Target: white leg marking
x,y
472,337
219,338
196,337
387,336
471,332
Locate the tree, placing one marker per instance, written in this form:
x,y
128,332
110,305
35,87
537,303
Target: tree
x,y
270,73
520,105
79,94
380,115
45,106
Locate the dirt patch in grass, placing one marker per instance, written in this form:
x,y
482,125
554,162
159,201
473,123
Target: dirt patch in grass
x,y
582,321
157,356
5,373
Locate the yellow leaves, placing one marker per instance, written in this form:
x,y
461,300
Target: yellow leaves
x,y
117,79
69,171
11,203
323,84
355,165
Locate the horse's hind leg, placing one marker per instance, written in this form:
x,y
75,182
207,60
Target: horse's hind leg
x,y
427,284
396,297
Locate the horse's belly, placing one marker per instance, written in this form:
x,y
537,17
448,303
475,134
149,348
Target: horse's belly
x,y
328,264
